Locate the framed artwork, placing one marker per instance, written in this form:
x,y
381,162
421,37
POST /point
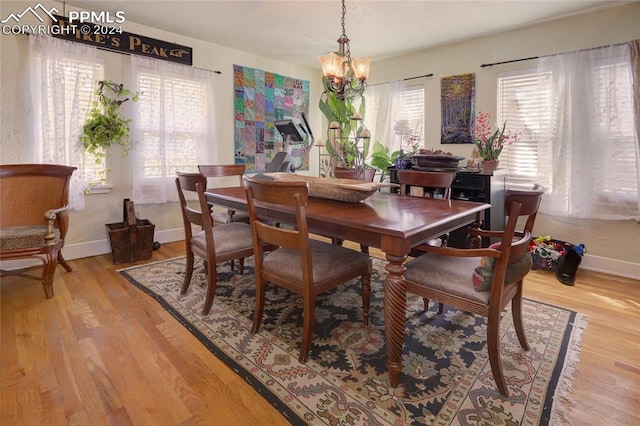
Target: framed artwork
x,y
260,98
458,94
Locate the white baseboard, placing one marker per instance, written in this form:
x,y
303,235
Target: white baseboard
x,y
95,248
611,266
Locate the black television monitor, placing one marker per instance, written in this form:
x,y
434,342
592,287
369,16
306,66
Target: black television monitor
x,y
288,130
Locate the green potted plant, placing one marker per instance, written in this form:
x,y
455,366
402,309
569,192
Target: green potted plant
x,y
382,159
105,126
348,139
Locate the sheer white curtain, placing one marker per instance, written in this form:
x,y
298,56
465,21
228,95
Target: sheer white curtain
x,y
587,154
63,73
384,109
173,126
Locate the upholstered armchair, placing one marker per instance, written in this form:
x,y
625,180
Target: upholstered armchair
x,y
34,218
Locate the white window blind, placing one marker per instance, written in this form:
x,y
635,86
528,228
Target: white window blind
x,y
522,102
411,100
173,119
174,126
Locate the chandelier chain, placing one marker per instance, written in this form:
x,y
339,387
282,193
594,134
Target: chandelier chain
x,y
347,48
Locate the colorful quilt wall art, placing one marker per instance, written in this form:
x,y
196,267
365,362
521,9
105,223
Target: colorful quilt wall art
x,y
261,98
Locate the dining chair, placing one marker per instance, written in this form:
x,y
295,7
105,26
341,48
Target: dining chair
x,y
220,171
34,218
302,265
529,203
213,244
431,185
481,281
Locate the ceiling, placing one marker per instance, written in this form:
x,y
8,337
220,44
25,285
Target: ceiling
x,y
297,31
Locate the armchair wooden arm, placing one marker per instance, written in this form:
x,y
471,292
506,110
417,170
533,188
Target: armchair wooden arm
x,y
518,245
51,216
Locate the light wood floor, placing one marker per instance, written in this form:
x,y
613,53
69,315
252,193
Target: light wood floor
x,y
102,352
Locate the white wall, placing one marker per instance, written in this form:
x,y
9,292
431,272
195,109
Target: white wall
x,y
87,233
611,245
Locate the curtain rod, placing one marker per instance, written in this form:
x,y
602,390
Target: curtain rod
x,y
536,57
404,79
508,62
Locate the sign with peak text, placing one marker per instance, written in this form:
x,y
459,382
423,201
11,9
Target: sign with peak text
x,y
113,38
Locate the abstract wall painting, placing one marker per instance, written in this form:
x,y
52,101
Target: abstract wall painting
x,y
260,98
458,94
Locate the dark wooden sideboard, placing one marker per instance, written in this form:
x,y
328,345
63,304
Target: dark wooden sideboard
x,y
483,187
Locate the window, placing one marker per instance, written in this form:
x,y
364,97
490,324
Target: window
x,y
409,130
522,101
615,130
171,147
173,126
81,76
575,117
62,79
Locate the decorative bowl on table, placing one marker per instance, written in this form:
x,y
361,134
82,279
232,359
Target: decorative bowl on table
x,y
348,190
437,161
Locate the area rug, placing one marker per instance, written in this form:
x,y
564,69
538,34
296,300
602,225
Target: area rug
x,y
446,377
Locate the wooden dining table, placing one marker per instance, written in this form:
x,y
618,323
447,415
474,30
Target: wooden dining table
x,y
387,221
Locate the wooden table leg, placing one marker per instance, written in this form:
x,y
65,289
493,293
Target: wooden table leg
x,y
395,308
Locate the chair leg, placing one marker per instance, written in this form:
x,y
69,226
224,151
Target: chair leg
x,y
241,262
366,297
493,347
364,249
188,273
62,261
261,288
212,284
308,313
425,302
48,271
444,240
516,309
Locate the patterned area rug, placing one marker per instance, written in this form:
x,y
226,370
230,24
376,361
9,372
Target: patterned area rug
x,y
446,378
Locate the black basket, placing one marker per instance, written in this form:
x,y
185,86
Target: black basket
x,y
548,254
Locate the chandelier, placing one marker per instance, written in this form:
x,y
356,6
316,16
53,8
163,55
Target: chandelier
x,y
345,76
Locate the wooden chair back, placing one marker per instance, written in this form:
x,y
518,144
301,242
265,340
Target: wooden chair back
x,y
294,195
195,183
529,201
223,170
436,180
366,175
